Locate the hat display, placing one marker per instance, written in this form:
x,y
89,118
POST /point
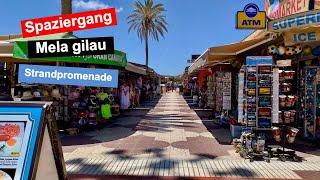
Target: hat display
x,y
36,94
27,95
55,93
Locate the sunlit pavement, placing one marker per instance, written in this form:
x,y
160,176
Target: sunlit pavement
x,y
168,141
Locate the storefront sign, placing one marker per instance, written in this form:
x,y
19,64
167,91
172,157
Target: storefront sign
x,y
20,51
35,74
276,9
251,18
23,129
70,47
301,20
301,36
69,22
259,60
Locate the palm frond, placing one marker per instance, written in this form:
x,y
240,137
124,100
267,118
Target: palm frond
x,y
147,19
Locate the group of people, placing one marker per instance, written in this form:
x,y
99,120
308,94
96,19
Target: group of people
x,y
171,87
131,94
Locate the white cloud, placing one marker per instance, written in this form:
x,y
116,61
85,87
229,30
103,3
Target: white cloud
x,y
92,5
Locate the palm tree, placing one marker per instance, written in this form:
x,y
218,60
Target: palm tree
x,y
66,6
147,19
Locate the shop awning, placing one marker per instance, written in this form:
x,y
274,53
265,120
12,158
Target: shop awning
x,y
236,48
136,69
6,49
225,53
20,51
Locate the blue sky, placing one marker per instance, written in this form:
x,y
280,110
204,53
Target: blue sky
x,y
194,25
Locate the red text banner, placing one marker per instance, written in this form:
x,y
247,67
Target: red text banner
x,y
69,22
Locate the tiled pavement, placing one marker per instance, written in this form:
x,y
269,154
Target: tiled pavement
x,y
170,140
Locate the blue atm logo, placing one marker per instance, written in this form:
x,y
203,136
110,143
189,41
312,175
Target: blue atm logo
x,y
251,18
251,10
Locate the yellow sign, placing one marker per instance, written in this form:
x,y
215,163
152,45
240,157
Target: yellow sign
x,y
257,22
301,36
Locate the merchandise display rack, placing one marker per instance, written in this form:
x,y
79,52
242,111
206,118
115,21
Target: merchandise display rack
x,y
258,85
309,101
258,110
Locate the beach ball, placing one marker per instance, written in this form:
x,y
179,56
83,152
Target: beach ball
x,y
307,50
316,51
272,49
281,50
290,51
298,49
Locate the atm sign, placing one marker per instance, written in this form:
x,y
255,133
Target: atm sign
x,y
251,18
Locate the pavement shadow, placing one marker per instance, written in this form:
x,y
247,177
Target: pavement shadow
x,y
84,167
112,130
165,164
240,172
120,154
158,152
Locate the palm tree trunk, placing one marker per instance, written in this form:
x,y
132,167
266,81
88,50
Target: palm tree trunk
x,y
147,51
66,7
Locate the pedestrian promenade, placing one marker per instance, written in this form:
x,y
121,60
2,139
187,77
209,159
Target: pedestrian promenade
x,y
170,140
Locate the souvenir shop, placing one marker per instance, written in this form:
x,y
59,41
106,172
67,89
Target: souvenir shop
x,y
215,90
81,107
279,99
217,77
131,79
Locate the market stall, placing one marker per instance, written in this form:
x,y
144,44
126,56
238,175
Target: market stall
x,y
82,106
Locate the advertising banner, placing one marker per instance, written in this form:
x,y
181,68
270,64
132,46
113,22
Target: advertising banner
x,y
301,20
301,36
276,9
18,132
29,143
36,74
119,59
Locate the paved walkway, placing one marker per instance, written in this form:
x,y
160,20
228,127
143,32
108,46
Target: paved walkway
x,y
169,140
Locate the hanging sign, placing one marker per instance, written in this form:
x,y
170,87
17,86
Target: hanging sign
x,y
301,36
68,22
301,20
35,74
251,18
118,58
276,9
28,133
